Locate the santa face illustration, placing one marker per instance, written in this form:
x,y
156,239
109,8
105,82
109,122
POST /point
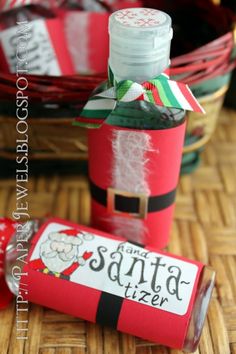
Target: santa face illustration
x,y
60,253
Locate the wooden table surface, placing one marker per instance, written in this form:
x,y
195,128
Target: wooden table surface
x,y
204,228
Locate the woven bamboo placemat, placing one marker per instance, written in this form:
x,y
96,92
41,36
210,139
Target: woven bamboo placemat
x,y
204,229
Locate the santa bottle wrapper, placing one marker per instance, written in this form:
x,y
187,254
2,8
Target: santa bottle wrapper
x,y
134,181
139,114
88,47
102,278
34,43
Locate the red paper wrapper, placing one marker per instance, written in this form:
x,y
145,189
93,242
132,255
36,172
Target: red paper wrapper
x,y
144,163
87,45
102,278
87,36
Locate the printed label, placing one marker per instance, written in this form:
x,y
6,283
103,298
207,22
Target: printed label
x,y
116,267
31,43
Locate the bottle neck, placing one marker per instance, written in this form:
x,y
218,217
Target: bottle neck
x,y
138,73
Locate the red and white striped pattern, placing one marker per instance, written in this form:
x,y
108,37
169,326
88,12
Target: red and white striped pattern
x,y
6,5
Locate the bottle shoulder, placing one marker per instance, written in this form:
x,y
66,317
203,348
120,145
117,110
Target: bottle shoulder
x,y
145,115
142,114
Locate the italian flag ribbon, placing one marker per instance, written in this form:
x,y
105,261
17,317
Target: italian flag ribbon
x,y
160,91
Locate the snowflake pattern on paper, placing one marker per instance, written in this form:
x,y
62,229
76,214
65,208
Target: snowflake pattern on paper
x,y
140,17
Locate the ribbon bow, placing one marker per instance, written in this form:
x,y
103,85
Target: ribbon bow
x,y
160,91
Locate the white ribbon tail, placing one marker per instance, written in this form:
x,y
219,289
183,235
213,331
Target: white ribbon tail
x,y
110,93
100,104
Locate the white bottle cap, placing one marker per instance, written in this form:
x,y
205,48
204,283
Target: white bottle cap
x,y
139,43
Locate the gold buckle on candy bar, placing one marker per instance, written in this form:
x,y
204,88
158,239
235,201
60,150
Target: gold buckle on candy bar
x,y
143,203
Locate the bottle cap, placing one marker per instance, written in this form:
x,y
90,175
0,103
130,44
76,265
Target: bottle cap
x,y
139,43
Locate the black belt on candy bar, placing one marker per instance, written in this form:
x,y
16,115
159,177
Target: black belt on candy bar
x,y
131,204
109,307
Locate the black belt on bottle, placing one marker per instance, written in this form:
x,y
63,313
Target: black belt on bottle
x,y
131,204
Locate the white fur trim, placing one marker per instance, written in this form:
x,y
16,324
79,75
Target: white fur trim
x,y
130,174
60,237
76,31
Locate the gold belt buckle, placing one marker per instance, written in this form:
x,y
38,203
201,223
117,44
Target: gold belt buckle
x,y
143,203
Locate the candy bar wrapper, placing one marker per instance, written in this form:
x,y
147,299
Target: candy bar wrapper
x,y
111,281
47,51
7,228
134,175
